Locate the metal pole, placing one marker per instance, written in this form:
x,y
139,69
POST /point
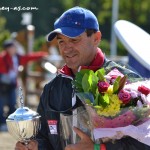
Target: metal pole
x,y
30,37
113,45
30,42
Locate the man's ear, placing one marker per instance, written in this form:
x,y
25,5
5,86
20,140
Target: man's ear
x,y
97,38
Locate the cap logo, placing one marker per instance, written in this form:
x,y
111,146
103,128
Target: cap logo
x,y
69,20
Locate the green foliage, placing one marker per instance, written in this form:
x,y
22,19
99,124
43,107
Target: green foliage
x,y
38,43
102,100
4,34
78,81
116,85
105,46
119,84
121,49
86,81
100,74
136,11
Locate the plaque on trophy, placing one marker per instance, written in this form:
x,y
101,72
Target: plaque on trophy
x,y
24,123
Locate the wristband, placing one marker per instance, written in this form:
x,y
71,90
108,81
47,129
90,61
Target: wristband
x,y
96,146
99,147
102,147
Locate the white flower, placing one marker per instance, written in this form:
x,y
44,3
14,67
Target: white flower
x,y
134,94
139,104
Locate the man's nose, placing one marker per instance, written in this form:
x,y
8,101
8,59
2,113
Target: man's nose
x,y
68,46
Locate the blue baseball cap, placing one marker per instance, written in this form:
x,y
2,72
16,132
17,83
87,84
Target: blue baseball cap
x,y
74,22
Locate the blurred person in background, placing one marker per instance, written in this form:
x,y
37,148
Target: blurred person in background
x,y
10,60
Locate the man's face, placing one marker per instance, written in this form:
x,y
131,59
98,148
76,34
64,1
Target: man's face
x,y
78,51
11,50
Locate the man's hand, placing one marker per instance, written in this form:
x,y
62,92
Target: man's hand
x,y
85,143
33,145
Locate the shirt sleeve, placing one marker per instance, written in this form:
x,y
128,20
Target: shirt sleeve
x,y
126,143
34,56
42,137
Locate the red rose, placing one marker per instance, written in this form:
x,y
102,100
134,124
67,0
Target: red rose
x,y
124,96
113,78
102,86
144,90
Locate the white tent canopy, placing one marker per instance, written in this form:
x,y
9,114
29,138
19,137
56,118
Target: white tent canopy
x,y
135,40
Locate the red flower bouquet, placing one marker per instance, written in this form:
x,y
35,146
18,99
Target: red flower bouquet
x,y
112,100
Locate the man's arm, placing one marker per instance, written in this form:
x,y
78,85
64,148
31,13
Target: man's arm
x,y
42,137
127,143
34,56
110,65
85,144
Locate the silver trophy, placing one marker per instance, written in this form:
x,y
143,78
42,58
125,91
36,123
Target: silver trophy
x,y
24,123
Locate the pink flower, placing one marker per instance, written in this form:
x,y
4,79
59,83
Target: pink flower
x,y
139,104
124,96
113,74
102,86
134,94
144,90
113,78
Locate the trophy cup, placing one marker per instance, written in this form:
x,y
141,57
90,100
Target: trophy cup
x,y
24,123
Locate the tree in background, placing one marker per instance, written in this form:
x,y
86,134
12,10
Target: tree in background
x,y
4,34
136,11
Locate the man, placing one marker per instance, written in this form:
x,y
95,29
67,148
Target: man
x,y
9,63
78,36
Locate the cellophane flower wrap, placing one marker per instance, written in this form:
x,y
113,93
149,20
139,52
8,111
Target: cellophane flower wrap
x,y
112,100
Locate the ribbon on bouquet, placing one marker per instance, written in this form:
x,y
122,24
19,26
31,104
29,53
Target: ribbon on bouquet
x,y
140,132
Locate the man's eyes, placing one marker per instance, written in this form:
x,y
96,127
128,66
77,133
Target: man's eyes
x,y
59,41
75,40
71,40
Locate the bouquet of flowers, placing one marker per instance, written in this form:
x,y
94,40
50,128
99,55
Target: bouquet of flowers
x,y
112,100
